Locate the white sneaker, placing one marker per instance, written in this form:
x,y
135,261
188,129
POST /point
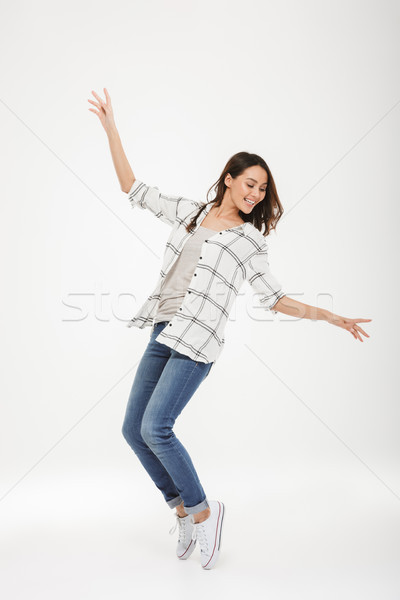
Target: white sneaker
x,y
186,544
208,533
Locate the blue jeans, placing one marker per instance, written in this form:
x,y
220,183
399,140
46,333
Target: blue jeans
x,y
164,382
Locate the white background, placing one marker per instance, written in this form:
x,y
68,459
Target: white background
x,y
296,429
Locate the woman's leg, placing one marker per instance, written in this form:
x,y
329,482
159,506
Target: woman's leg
x,y
178,382
146,379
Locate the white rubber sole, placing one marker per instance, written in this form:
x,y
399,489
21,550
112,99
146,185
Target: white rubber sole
x,y
214,558
188,552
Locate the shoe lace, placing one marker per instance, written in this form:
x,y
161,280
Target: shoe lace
x,y
182,528
199,533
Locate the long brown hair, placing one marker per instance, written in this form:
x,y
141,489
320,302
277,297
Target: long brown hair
x,y
267,212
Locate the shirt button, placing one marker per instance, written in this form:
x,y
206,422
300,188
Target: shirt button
x,y
180,309
189,292
195,274
170,324
220,233
201,257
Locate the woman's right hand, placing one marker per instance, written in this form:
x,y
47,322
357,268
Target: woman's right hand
x,y
104,112
350,325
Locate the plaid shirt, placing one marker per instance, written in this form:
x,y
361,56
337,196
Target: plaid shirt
x,y
228,258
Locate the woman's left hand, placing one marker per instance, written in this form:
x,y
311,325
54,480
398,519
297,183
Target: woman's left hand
x,y
350,325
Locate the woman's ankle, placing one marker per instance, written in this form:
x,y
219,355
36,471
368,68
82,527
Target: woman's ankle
x,y
202,516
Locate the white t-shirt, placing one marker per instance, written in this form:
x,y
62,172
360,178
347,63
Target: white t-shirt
x,y
178,279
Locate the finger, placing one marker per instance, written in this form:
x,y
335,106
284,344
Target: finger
x,y
107,95
94,103
361,320
98,97
362,330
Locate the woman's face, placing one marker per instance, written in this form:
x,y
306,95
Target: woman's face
x,y
248,189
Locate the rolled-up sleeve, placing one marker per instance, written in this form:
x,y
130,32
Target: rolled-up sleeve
x,y
262,281
162,206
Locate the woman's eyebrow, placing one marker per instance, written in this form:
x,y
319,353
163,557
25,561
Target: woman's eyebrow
x,y
255,180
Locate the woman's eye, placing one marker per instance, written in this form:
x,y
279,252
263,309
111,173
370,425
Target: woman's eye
x,y
251,186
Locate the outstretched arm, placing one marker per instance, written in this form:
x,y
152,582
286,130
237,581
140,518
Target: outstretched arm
x,y
294,308
106,116
163,206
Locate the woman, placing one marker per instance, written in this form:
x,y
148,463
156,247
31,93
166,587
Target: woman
x,y
212,249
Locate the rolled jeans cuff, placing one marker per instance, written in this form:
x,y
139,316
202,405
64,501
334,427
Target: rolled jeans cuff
x,y
191,510
174,502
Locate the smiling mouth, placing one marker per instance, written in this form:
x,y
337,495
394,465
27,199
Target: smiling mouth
x,y
249,202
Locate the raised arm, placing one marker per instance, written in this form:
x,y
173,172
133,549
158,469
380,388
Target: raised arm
x,y
106,116
121,164
294,308
163,206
